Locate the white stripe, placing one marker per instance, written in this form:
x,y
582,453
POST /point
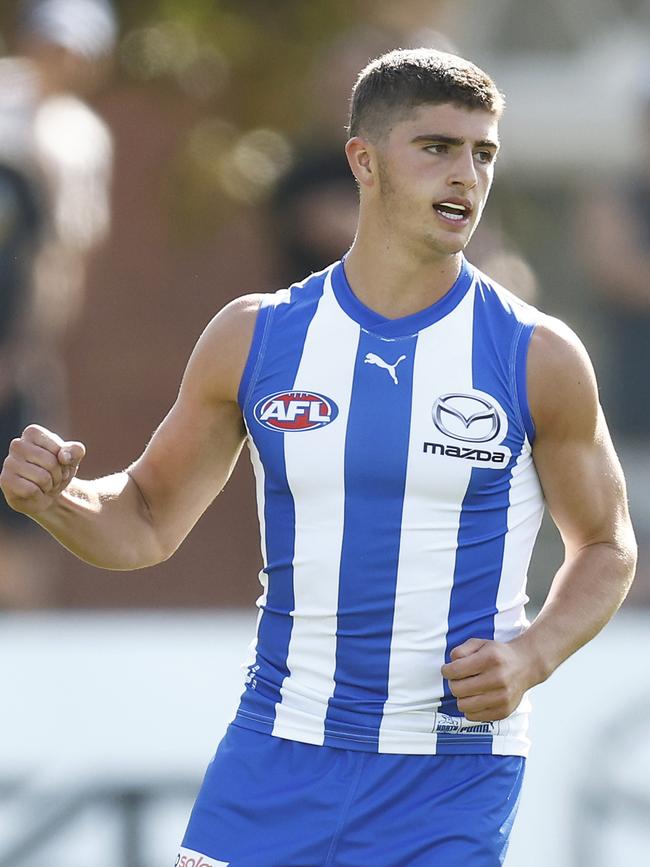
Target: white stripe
x,y
315,461
282,296
524,518
428,540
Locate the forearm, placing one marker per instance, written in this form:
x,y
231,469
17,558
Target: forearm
x,y
586,592
105,522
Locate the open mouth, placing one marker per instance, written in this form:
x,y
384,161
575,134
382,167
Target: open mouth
x,y
453,212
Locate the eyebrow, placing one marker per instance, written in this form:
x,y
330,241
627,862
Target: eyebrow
x,y
452,140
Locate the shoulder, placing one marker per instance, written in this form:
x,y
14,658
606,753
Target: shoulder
x,y
219,357
238,316
562,388
511,304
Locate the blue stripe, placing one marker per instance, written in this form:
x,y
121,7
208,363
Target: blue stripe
x,y
484,518
376,455
286,332
521,384
256,351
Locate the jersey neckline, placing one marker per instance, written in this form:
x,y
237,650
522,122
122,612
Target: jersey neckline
x,y
405,325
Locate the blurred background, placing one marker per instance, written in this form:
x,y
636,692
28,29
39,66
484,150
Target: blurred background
x,y
158,159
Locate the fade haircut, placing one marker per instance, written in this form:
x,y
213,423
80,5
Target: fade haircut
x,y
393,85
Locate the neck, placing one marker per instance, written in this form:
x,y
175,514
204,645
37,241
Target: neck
x,y
393,282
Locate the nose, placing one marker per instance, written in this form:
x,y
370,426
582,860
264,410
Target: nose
x,y
463,170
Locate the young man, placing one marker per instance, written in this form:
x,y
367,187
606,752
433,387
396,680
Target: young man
x,y
406,417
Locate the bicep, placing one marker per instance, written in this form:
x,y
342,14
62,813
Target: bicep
x,y
576,462
187,463
583,485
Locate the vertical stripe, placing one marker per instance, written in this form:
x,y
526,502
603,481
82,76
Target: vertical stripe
x,y
435,489
283,351
484,520
524,518
375,476
520,379
258,471
315,463
256,351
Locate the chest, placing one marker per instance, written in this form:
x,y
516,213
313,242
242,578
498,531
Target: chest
x,y
359,415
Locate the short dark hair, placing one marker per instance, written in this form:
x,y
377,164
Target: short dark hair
x,y
392,85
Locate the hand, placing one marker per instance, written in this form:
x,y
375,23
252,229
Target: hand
x,y
488,678
39,466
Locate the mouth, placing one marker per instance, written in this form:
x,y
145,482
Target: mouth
x,y
455,212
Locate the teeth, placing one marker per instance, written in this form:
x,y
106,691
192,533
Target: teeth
x,y
452,205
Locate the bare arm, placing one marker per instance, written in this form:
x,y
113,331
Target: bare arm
x,y
585,492
139,517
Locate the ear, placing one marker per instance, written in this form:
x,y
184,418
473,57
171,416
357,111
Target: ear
x,y
360,154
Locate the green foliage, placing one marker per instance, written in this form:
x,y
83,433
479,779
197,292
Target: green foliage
x,y
243,63
262,46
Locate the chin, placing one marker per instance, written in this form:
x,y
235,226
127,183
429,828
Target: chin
x,y
446,247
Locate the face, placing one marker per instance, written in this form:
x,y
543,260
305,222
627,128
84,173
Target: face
x,y
431,176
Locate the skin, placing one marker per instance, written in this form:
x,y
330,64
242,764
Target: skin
x,y
404,258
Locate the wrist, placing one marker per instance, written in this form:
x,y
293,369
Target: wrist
x,y
537,663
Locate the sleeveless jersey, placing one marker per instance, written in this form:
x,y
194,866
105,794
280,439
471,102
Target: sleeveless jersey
x,y
398,506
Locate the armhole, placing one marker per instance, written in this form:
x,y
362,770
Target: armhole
x,y
256,351
520,378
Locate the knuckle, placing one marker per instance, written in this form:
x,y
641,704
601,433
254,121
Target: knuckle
x,y
45,481
8,466
495,654
15,446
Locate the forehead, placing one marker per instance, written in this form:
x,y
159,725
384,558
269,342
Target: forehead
x,y
472,124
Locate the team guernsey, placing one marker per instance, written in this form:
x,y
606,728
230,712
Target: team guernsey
x,y
398,507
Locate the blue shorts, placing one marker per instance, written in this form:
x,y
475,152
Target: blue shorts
x,y
269,802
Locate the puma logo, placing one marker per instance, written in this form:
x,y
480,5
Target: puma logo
x,y
371,358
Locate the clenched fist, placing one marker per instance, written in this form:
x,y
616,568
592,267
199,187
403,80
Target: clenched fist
x,y
489,678
39,466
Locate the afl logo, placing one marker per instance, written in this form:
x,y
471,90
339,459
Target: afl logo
x,y
295,411
468,417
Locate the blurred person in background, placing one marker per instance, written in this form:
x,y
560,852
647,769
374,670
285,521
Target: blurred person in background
x,y
614,246
407,418
55,168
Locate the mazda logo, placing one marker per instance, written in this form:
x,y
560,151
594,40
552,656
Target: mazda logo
x,y
466,417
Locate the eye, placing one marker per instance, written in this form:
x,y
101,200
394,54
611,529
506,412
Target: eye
x,y
437,148
485,156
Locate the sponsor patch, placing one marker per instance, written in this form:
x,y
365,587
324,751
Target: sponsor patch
x,y
471,426
471,418
295,411
189,858
458,725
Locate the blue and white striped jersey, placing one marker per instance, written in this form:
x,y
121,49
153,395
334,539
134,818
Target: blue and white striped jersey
x,y
398,507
